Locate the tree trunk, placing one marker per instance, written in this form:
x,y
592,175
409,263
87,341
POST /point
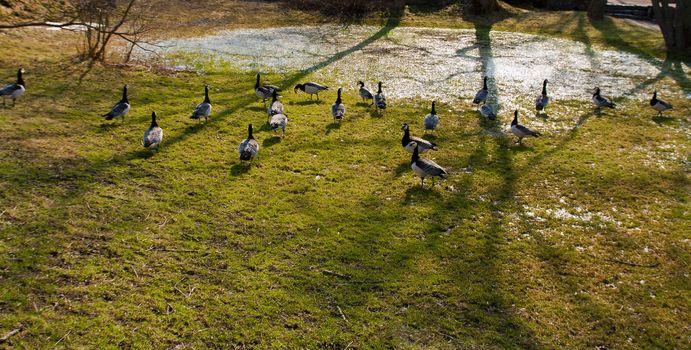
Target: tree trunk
x,y
483,7
675,24
596,9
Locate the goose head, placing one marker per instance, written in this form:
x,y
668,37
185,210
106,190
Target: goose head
x,y
299,87
404,127
361,83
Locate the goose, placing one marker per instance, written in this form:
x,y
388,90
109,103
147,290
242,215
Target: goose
x,y
487,112
153,135
203,109
248,147
542,100
424,167
600,101
379,98
659,105
410,142
365,93
264,91
520,130
279,121
311,88
14,90
432,119
276,106
338,108
481,95
121,108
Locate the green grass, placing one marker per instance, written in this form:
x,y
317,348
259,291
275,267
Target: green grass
x,y
578,239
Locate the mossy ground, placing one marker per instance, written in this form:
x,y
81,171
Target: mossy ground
x,y
578,239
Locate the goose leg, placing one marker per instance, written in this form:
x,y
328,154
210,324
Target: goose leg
x,y
422,184
14,102
3,101
432,181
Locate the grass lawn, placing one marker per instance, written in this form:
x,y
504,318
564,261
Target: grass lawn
x,y
577,239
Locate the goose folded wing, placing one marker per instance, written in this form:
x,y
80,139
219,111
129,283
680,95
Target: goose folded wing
x,y
430,167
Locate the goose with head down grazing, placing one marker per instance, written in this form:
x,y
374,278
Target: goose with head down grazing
x,y
432,119
659,105
15,90
364,92
600,101
310,88
380,99
542,100
153,135
424,167
276,106
338,108
264,92
249,147
481,95
203,109
520,130
121,108
410,142
488,112
279,121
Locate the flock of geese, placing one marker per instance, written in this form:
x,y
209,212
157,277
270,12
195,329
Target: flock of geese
x,y
278,119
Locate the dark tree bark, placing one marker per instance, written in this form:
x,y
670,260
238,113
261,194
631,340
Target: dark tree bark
x,y
483,7
675,24
596,9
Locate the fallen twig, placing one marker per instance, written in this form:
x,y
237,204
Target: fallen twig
x,y
63,337
329,272
9,334
172,250
342,314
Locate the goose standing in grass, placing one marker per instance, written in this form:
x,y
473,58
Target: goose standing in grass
x,y
481,95
311,88
432,119
520,130
488,112
276,106
659,105
14,90
338,108
249,147
424,167
600,101
380,99
264,91
279,121
365,93
153,135
203,109
410,142
542,100
121,108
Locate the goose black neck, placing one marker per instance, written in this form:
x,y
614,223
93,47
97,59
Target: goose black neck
x,y
20,79
406,137
379,88
249,132
206,94
338,99
124,94
544,87
434,111
415,156
484,83
274,96
515,118
153,120
654,99
597,92
256,85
